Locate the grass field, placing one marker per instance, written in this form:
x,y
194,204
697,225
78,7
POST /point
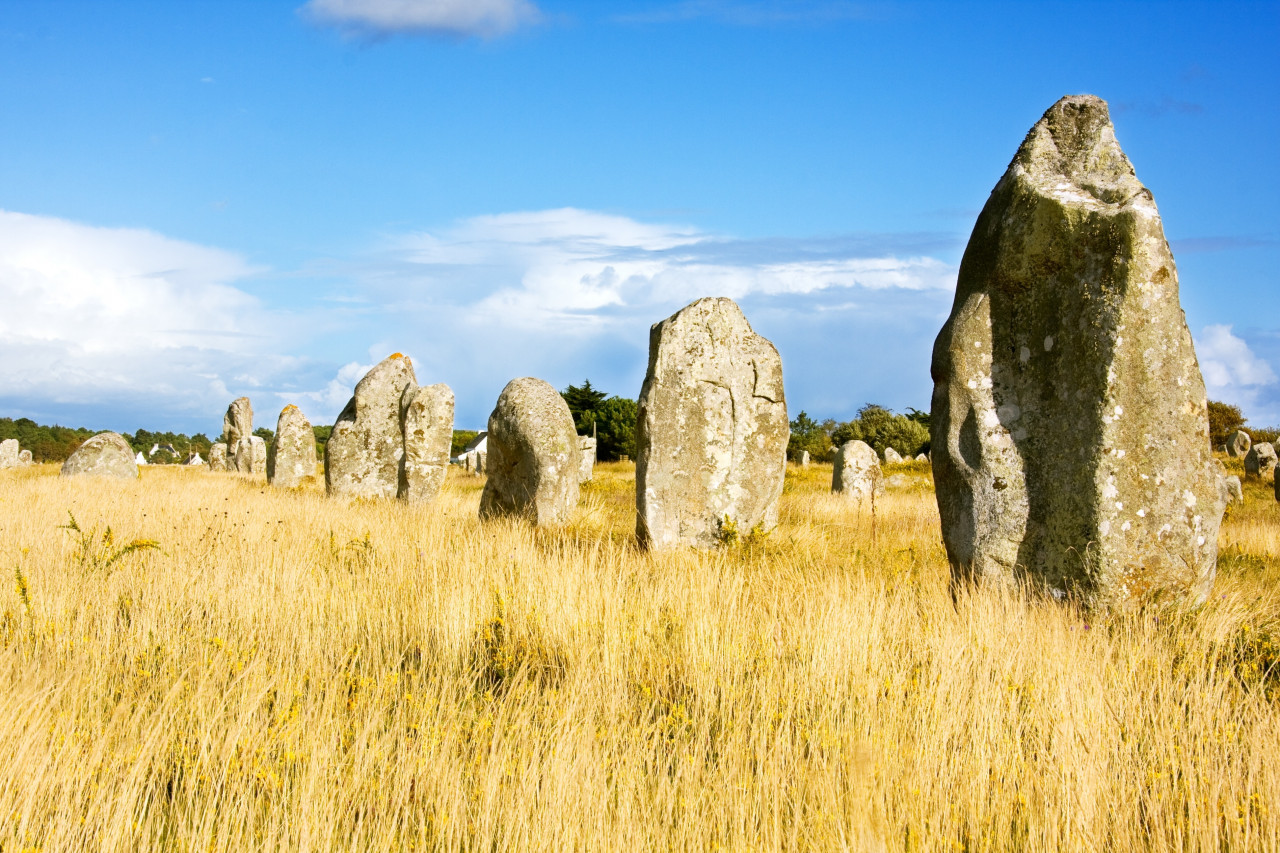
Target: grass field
x,y
282,671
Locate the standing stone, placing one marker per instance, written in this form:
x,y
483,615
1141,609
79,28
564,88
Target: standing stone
x,y
856,473
107,454
1069,413
892,456
804,459
426,421
251,455
1238,443
366,447
481,458
920,457
712,429
237,423
1260,461
218,457
24,458
468,462
533,458
291,459
587,444
9,453
1235,491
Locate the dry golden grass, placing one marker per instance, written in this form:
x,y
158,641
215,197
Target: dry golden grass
x,y
288,672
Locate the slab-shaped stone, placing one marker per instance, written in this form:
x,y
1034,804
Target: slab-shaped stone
x,y
1260,461
107,454
218,456
587,444
363,456
712,429
237,423
9,453
426,420
251,456
856,472
1069,412
291,459
804,459
1238,443
532,458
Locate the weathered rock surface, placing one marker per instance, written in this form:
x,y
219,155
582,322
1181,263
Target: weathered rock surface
x,y
532,459
107,454
291,459
587,444
426,422
892,456
856,472
1235,491
237,423
9,453
218,457
712,430
1069,412
24,458
1260,461
1238,443
920,457
366,448
251,455
804,459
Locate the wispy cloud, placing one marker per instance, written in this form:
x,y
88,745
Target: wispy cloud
x,y
1191,245
755,13
447,18
1156,109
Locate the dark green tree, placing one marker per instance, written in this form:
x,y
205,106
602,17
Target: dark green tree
x,y
808,434
1224,419
615,420
583,402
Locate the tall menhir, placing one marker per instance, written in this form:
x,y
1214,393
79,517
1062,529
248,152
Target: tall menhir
x,y
1070,428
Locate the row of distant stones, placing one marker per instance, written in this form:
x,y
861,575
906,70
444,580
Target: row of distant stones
x,y
1069,427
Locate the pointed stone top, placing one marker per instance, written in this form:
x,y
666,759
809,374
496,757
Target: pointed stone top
x,y
1072,154
396,355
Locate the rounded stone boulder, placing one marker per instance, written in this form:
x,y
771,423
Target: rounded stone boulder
x,y
1260,461
533,460
107,454
1238,443
892,457
218,457
363,456
9,453
24,457
291,459
856,473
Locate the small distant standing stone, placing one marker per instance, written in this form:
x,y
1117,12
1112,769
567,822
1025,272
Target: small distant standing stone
x,y
237,423
1238,443
291,459
804,459
1260,461
587,444
920,457
9,453
856,473
533,458
218,457
892,456
251,455
24,457
1235,491
107,454
481,461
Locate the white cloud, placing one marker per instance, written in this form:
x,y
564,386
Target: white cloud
x,y
122,314
1232,372
565,266
459,18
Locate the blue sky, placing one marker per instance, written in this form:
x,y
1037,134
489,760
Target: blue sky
x,y
200,200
